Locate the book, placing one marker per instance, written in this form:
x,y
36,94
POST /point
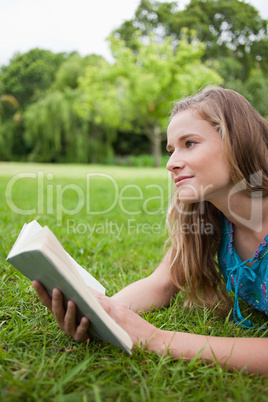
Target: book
x,y
39,255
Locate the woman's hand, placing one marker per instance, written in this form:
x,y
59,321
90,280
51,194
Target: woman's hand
x,y
140,331
65,318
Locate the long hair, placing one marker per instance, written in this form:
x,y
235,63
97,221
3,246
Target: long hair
x,y
195,229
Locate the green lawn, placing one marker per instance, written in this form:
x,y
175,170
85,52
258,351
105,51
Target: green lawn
x,y
112,221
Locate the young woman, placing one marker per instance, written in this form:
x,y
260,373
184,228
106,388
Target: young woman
x,y
218,223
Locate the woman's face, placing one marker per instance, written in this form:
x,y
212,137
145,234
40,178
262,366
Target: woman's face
x,y
197,162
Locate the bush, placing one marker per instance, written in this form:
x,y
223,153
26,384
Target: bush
x,y
138,161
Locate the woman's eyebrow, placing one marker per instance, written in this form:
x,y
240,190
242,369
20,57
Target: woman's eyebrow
x,y
184,137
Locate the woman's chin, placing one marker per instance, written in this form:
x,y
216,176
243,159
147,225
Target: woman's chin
x,y
187,198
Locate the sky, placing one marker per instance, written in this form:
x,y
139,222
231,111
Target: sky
x,y
67,25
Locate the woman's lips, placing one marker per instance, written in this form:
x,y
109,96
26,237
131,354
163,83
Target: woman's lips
x,y
181,179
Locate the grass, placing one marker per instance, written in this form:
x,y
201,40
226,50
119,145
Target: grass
x,y
40,363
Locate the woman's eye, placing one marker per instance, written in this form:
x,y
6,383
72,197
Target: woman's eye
x,y
170,152
189,144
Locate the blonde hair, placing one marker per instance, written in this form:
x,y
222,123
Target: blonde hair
x,y
244,133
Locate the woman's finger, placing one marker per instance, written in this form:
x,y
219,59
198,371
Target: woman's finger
x,y
82,330
42,294
70,325
58,309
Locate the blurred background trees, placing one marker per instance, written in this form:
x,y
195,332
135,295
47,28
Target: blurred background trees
x,y
67,108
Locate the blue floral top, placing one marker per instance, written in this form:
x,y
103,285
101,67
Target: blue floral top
x,y
248,283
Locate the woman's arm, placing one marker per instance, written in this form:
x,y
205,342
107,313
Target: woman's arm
x,y
250,354
153,291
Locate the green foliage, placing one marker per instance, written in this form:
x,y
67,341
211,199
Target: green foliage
x,y
6,139
60,134
226,27
72,69
10,100
256,90
29,74
48,134
25,79
8,107
40,363
139,160
101,97
233,33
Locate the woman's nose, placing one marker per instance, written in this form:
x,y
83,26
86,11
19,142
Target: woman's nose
x,y
174,163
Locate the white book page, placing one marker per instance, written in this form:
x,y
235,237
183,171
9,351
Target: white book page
x,y
29,231
88,279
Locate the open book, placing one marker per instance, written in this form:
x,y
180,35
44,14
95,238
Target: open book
x,y
39,255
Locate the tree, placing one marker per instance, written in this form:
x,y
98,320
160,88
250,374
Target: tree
x,y
255,89
73,68
45,85
57,135
8,105
234,36
28,75
137,90
61,134
25,79
226,27
10,100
